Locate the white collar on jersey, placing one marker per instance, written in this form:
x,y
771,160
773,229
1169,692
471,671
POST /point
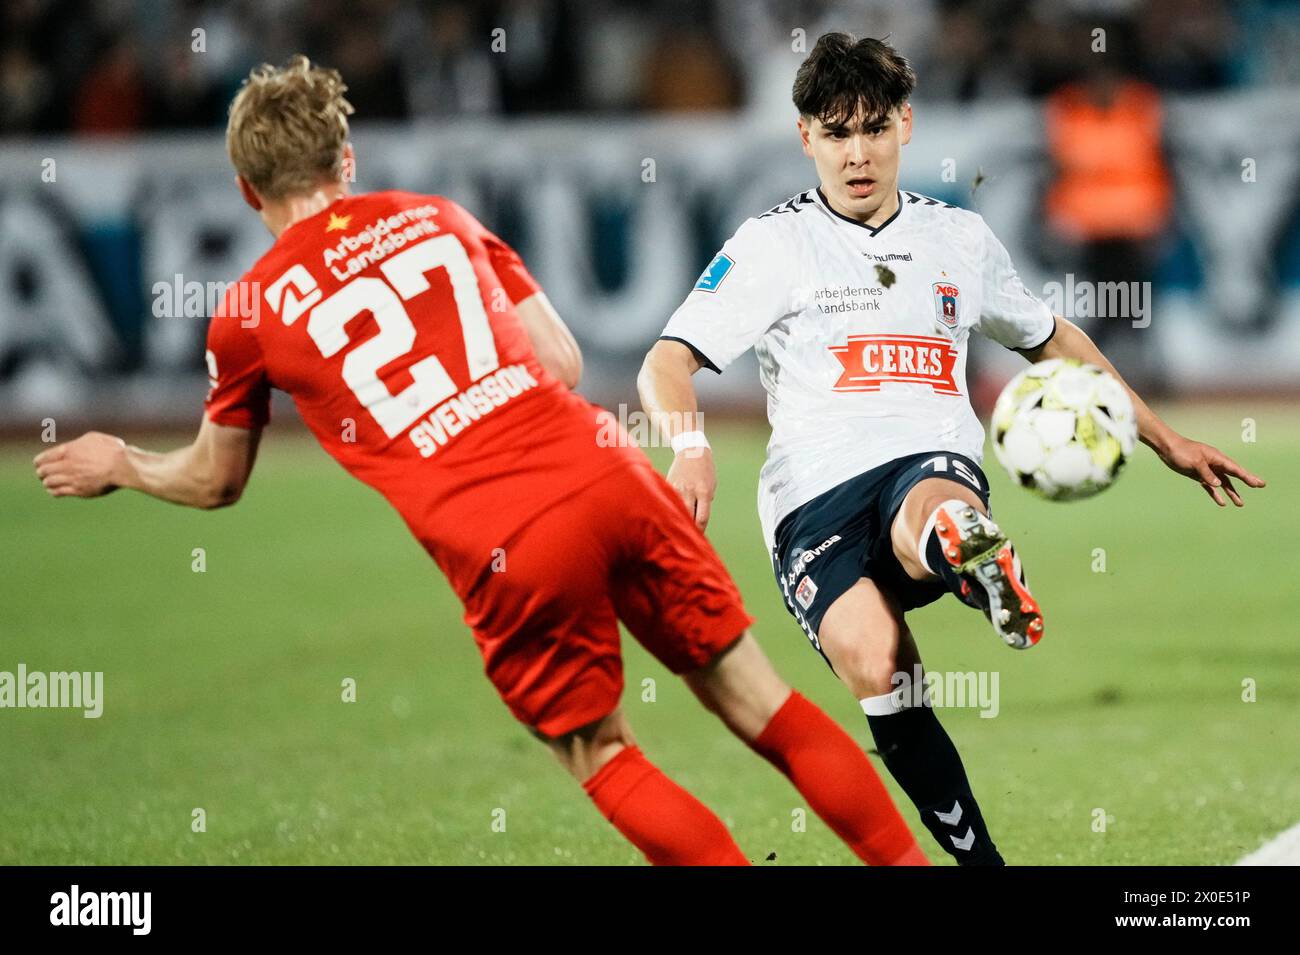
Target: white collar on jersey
x,y
874,230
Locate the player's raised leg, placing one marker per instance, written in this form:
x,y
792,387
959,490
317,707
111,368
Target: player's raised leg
x,y
659,817
672,591
822,761
943,530
867,642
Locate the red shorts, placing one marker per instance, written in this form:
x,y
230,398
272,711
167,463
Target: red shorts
x,y
623,548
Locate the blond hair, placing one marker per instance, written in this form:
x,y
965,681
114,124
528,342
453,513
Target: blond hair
x,y
287,128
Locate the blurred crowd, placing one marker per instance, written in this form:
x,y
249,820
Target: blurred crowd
x,y
118,66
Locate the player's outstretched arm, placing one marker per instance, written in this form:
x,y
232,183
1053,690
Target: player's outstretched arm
x,y
668,396
209,473
1200,462
554,344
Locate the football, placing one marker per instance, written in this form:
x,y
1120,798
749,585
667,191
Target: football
x,y
1064,429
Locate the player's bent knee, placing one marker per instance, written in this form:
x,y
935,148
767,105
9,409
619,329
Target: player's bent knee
x,y
741,687
585,760
868,670
865,658
585,750
861,638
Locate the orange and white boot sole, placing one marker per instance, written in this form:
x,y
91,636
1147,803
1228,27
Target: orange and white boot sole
x,y
978,550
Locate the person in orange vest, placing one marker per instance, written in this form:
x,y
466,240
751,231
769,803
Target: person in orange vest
x,y
1112,195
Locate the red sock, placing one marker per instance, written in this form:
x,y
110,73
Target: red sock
x,y
839,782
659,817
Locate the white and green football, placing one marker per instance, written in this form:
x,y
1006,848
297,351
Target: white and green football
x,y
1064,429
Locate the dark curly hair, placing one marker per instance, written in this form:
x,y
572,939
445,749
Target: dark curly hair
x,y
843,74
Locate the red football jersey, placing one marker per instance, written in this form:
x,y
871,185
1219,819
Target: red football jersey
x,y
390,320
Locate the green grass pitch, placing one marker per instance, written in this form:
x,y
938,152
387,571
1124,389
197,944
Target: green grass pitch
x,y
223,689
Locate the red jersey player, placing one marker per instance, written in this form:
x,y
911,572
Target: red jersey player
x,y
427,361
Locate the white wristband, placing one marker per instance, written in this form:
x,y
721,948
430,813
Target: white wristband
x,y
689,439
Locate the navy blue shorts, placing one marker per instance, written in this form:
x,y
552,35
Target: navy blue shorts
x,y
826,546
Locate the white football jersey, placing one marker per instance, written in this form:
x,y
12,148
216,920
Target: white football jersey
x,y
861,334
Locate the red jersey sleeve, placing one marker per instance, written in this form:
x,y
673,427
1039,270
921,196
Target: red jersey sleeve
x,y
509,267
239,394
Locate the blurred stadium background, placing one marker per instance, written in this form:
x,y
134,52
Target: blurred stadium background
x,y
616,146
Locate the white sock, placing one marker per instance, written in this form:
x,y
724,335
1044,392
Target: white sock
x,y
895,701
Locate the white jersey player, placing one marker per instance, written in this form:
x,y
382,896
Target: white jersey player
x,y
860,300
861,332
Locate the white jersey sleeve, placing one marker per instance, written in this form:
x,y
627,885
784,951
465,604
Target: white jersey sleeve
x,y
1011,315
742,293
